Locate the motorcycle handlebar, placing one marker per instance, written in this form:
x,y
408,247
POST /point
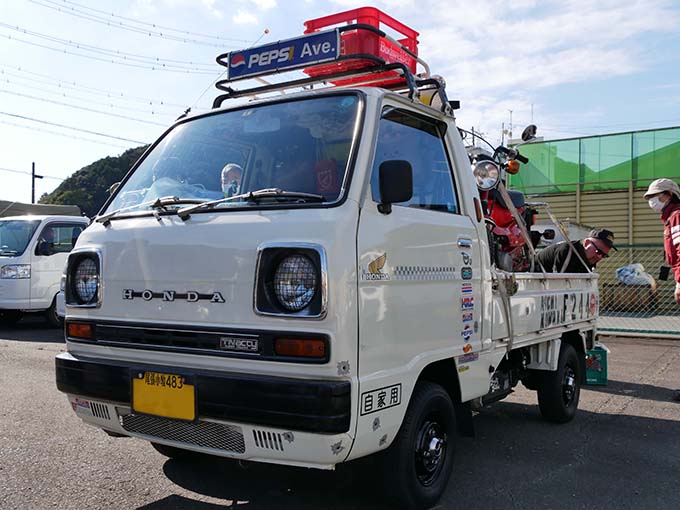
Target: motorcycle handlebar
x,y
511,153
521,158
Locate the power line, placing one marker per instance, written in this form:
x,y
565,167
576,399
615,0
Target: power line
x,y
29,173
71,127
152,25
70,136
126,60
83,108
134,57
87,89
85,100
72,11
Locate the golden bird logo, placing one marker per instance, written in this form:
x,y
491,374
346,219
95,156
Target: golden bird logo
x,y
377,265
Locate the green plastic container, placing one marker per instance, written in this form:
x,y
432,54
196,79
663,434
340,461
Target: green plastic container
x,y
596,366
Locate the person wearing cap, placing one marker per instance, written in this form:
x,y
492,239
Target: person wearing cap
x,y
561,258
663,196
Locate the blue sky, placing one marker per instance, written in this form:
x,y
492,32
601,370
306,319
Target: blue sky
x,y
573,67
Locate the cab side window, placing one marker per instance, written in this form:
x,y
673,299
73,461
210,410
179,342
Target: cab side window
x,y
58,238
420,142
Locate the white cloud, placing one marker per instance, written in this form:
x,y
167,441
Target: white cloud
x,y
243,17
264,5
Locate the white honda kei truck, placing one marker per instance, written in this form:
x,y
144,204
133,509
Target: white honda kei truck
x,y
33,253
305,279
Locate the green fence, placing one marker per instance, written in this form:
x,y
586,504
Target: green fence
x,y
600,163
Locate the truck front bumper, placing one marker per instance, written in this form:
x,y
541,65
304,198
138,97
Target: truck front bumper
x,y
319,406
260,418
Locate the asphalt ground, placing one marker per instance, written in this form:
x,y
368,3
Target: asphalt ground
x,y
621,451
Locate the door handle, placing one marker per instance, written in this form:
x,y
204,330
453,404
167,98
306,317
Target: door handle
x,y
464,243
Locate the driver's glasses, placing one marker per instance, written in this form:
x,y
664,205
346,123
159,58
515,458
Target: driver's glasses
x,y
600,252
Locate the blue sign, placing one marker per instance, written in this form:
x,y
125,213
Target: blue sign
x,y
284,55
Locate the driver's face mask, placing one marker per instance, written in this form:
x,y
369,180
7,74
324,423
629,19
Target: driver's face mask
x,y
656,204
230,188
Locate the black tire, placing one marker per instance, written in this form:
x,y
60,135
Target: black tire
x,y
51,315
10,316
559,391
173,452
418,464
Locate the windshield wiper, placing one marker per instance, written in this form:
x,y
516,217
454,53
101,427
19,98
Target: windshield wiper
x,y
252,196
159,203
8,252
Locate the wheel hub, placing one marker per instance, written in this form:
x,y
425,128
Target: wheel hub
x,y
569,385
430,451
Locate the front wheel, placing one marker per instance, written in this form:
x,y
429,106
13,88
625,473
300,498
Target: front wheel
x,y
53,318
559,391
418,464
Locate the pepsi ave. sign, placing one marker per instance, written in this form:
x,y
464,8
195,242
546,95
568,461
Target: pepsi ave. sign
x,y
284,55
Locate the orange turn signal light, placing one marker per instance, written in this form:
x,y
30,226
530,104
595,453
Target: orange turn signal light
x,y
300,347
512,166
79,330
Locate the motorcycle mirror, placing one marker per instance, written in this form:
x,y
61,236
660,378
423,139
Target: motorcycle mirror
x,y
529,132
487,174
548,234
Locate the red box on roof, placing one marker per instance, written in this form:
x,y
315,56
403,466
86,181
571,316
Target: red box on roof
x,y
366,42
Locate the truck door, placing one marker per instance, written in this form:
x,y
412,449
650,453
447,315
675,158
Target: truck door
x,y
53,245
420,265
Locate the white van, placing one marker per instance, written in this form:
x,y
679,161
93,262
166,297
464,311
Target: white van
x,y
33,253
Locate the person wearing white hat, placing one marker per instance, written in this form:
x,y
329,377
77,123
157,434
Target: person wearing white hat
x,y
663,195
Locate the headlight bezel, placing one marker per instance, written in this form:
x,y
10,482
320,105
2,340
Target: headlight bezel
x,y
5,272
71,295
269,258
484,169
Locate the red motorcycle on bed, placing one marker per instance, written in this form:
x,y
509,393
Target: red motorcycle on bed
x,y
509,218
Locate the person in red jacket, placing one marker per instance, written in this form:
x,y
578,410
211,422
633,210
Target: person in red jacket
x,y
663,196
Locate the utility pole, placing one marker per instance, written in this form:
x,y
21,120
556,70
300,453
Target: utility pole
x,y
510,127
502,133
34,176
473,136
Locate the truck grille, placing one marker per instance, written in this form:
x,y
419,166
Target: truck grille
x,y
203,433
173,339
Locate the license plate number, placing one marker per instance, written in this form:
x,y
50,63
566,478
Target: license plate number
x,y
162,394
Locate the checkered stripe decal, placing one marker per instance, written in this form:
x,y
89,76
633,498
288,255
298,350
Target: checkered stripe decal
x,y
424,273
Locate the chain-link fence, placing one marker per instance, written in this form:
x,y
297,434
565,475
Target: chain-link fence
x,y
633,298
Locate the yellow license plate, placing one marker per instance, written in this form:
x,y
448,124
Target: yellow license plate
x,y
161,394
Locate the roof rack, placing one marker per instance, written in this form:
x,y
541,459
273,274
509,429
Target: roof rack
x,y
320,56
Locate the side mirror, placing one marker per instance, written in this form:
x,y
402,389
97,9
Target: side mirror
x,y
548,234
396,183
529,132
112,189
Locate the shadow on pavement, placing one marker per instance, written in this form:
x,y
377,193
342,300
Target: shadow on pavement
x,y
516,460
641,391
33,327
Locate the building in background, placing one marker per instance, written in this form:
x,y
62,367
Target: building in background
x,y
599,181
18,209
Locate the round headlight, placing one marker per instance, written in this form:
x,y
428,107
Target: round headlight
x,y
86,280
486,174
295,282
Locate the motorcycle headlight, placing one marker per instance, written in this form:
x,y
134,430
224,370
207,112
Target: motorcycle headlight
x,y
16,271
487,174
295,282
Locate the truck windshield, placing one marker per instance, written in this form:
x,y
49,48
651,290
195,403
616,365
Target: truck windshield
x,y
15,235
298,146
